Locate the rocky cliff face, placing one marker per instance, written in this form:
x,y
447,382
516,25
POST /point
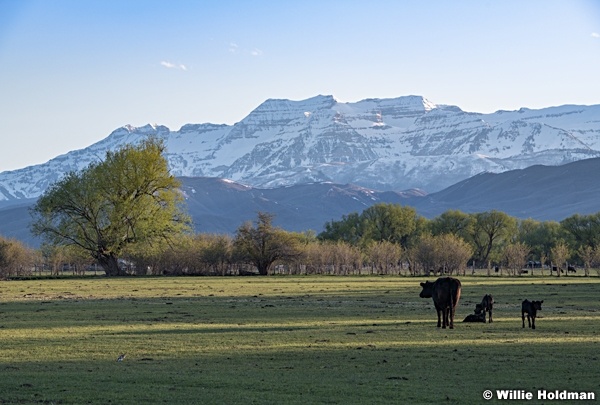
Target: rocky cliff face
x,y
384,144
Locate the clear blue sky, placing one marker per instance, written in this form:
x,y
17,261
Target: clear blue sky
x,y
72,71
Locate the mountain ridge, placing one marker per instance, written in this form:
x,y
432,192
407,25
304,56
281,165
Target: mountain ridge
x,y
383,144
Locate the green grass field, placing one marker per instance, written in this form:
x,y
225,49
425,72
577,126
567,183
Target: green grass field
x,y
289,340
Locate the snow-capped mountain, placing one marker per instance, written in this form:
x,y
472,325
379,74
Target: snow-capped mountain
x,y
384,144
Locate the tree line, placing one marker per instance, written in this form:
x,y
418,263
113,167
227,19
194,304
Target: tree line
x,y
126,215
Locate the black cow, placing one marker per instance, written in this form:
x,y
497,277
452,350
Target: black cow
x,y
480,317
530,308
445,292
571,269
487,304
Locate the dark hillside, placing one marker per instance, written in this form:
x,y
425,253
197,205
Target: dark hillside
x,y
538,192
221,206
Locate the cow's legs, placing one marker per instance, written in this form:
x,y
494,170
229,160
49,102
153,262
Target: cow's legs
x,y
451,314
490,316
523,318
529,320
439,313
445,316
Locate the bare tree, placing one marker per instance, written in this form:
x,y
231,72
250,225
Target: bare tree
x,y
263,244
15,258
384,256
515,257
444,253
559,254
587,254
425,255
453,253
345,259
410,255
543,260
596,259
313,256
216,252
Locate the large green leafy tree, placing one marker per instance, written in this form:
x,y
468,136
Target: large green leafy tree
x,y
539,236
128,198
584,230
389,222
349,229
491,231
453,222
378,223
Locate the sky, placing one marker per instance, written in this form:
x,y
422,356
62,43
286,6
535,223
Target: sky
x,y
73,71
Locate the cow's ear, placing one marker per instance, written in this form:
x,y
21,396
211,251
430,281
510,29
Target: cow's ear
x,y
422,284
542,301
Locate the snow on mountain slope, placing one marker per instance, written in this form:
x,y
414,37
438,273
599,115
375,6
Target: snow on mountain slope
x,y
385,144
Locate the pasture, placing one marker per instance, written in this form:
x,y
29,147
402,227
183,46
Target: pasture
x,y
292,340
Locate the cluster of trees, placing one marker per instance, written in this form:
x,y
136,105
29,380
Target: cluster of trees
x,y
125,214
15,258
490,238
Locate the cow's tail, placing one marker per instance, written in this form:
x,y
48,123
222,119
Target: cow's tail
x,y
454,298
451,310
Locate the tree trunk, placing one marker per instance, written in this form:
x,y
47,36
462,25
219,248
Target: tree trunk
x,y
110,264
263,266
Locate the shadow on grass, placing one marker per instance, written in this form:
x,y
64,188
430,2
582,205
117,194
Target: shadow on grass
x,y
316,375
197,310
317,347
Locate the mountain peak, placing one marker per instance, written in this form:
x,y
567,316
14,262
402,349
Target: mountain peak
x,y
384,144
143,129
313,103
412,103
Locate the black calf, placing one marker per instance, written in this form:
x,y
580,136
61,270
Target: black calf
x,y
570,269
487,304
530,308
480,317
